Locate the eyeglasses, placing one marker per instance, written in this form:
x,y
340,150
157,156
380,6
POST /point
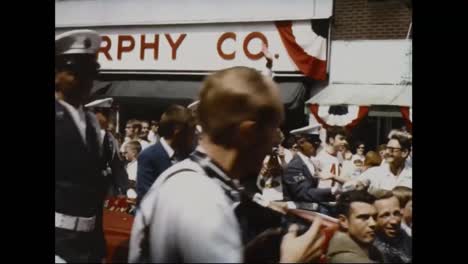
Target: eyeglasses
x,y
392,149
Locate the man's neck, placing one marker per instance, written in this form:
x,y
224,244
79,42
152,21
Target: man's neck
x,y
308,156
170,142
76,103
397,168
222,156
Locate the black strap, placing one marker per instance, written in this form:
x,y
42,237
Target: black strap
x,y
214,171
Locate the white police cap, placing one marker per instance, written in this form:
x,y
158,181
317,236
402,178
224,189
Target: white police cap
x,y
83,41
193,105
102,103
308,130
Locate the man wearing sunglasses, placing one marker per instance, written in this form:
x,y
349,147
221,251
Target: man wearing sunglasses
x,y
80,184
394,172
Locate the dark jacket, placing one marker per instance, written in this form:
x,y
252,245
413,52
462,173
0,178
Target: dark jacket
x,y
118,178
300,186
395,250
151,163
80,187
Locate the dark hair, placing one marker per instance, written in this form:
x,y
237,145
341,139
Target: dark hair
x,y
405,142
333,131
175,117
358,143
289,142
137,125
344,201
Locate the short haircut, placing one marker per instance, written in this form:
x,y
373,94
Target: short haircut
x,y
137,125
404,140
343,204
131,121
231,96
333,131
175,117
381,194
134,145
346,146
404,195
372,159
381,147
358,143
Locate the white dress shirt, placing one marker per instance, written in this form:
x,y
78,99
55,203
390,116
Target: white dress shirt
x,y
382,177
170,152
132,170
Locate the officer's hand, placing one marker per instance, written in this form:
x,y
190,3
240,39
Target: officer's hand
x,y
305,248
326,176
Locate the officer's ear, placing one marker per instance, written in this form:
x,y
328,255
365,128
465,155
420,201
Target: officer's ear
x,y
247,132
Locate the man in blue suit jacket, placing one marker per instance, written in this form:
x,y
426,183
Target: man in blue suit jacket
x,y
300,179
177,130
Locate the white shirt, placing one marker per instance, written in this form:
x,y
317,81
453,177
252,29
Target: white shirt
x,y
152,137
328,164
126,140
358,157
144,144
78,116
382,177
307,162
406,228
132,170
190,219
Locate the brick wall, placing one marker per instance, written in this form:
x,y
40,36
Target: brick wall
x,y
370,19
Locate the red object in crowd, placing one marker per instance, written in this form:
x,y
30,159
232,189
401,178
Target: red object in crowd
x,y
117,229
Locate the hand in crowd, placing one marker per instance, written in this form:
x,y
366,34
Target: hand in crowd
x,y
304,248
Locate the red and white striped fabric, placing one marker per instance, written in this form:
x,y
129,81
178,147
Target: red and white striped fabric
x,y
351,116
407,114
306,48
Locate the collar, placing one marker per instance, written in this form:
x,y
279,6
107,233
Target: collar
x,y
70,107
170,152
304,158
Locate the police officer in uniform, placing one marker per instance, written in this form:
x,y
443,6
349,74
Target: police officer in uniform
x,y
80,184
115,169
300,179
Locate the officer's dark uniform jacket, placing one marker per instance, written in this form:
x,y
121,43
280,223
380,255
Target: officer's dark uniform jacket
x,y
299,184
115,170
80,187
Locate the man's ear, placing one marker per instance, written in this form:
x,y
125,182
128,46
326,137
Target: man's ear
x,y
343,221
404,153
247,132
177,131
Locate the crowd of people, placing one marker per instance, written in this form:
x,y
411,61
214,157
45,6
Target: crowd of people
x,y
188,177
